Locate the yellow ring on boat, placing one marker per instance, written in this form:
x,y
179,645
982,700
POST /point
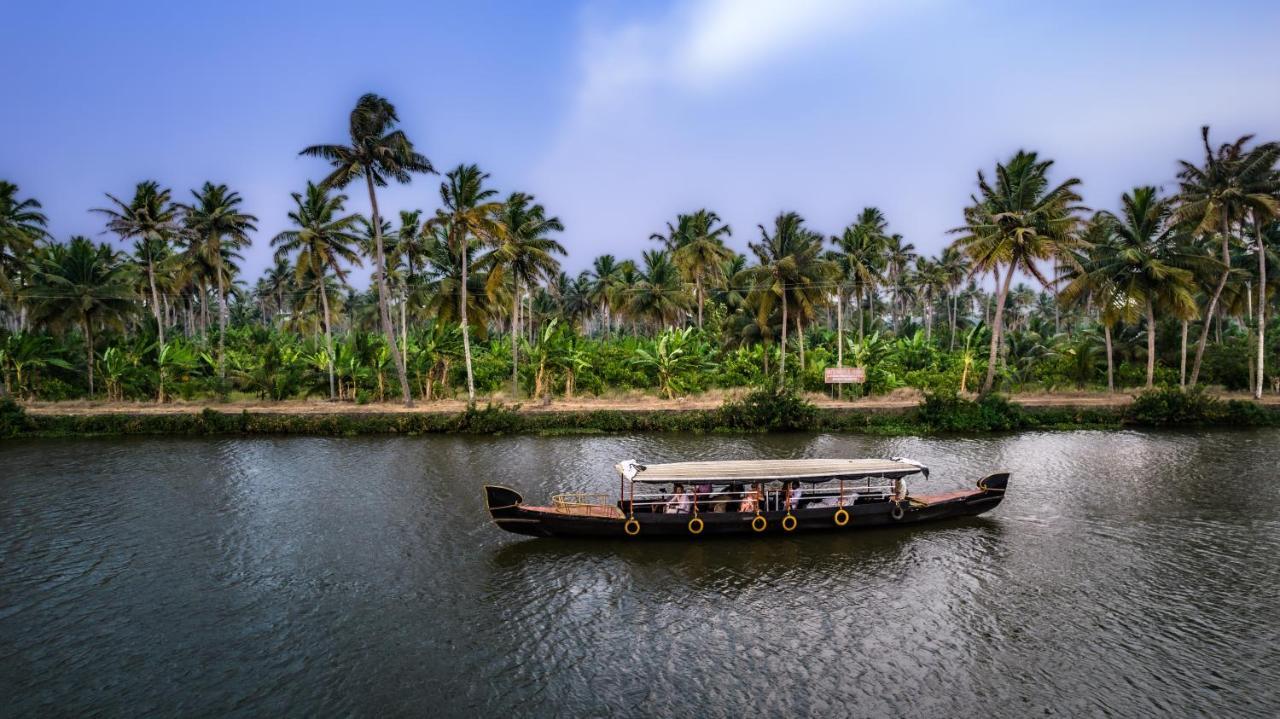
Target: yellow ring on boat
x,y
699,522
632,527
841,517
982,484
759,523
897,511
789,523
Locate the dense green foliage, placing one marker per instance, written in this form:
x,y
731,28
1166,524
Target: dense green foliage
x,y
470,300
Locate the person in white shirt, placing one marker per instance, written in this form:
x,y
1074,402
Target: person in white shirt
x,y
793,495
681,501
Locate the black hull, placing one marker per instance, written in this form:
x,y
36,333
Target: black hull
x,y
508,512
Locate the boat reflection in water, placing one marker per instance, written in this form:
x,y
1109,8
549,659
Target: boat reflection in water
x,y
744,497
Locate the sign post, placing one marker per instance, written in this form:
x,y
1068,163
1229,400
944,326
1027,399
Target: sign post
x,y
845,375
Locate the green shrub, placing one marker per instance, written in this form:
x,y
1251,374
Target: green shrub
x,y
492,419
13,419
947,412
768,410
1171,406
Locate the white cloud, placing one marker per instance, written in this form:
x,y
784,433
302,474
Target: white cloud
x,y
700,44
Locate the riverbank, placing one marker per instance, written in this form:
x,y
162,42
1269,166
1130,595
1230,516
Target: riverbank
x,y
762,411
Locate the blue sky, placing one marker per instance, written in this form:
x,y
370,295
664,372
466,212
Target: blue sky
x,y
617,115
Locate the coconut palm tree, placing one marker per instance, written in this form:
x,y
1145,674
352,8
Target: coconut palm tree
x,y
1231,184
324,241
215,226
898,257
1260,168
787,258
469,214
378,152
1146,264
657,294
21,226
151,219
525,255
82,285
605,272
1013,224
860,256
700,252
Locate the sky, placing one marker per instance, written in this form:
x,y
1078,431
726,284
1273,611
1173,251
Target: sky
x,y
618,114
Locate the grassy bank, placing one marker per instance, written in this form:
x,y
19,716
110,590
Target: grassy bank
x,y
757,412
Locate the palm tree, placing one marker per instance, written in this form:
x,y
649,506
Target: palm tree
x,y
604,285
1013,224
1146,266
786,260
1260,169
525,255
898,255
700,252
1231,184
954,270
469,213
215,226
657,294
861,255
377,152
83,285
21,225
324,240
150,218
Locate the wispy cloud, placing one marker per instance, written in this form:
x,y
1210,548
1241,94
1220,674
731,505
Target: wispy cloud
x,y
698,45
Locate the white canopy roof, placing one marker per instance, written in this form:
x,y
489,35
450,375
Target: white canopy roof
x,y
764,470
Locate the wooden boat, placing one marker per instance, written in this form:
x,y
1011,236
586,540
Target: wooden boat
x,y
744,498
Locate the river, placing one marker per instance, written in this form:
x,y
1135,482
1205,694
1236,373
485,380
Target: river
x,y
1126,574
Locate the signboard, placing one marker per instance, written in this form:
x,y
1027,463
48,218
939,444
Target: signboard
x,y
846,375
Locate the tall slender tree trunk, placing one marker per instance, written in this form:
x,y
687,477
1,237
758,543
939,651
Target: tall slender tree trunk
x,y
328,336
155,301
404,329
1262,306
383,311
1111,373
782,361
515,342
1182,367
1151,344
87,329
1213,301
466,329
860,313
222,323
698,285
840,337
997,330
800,337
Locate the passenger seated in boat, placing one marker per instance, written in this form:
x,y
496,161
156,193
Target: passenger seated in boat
x,y
727,500
793,495
751,501
681,501
702,495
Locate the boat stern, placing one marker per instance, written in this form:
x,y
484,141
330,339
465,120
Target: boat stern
x,y
502,501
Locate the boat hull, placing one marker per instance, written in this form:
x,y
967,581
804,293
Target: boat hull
x,y
508,511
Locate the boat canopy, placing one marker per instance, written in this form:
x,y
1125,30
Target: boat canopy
x,y
765,470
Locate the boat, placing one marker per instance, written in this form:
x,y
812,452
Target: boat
x,y
752,497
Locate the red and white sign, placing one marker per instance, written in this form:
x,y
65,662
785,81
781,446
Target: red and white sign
x,y
846,375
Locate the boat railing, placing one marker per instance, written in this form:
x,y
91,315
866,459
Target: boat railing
x,y
585,504
773,498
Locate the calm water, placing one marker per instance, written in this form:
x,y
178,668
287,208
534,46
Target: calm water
x,y
1126,574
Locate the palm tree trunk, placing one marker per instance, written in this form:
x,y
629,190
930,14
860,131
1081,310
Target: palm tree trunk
x,y
860,313
404,329
87,329
1111,374
839,338
466,330
1213,302
800,337
1182,368
1262,306
698,285
155,302
328,336
1151,344
222,323
515,343
383,312
782,362
997,330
